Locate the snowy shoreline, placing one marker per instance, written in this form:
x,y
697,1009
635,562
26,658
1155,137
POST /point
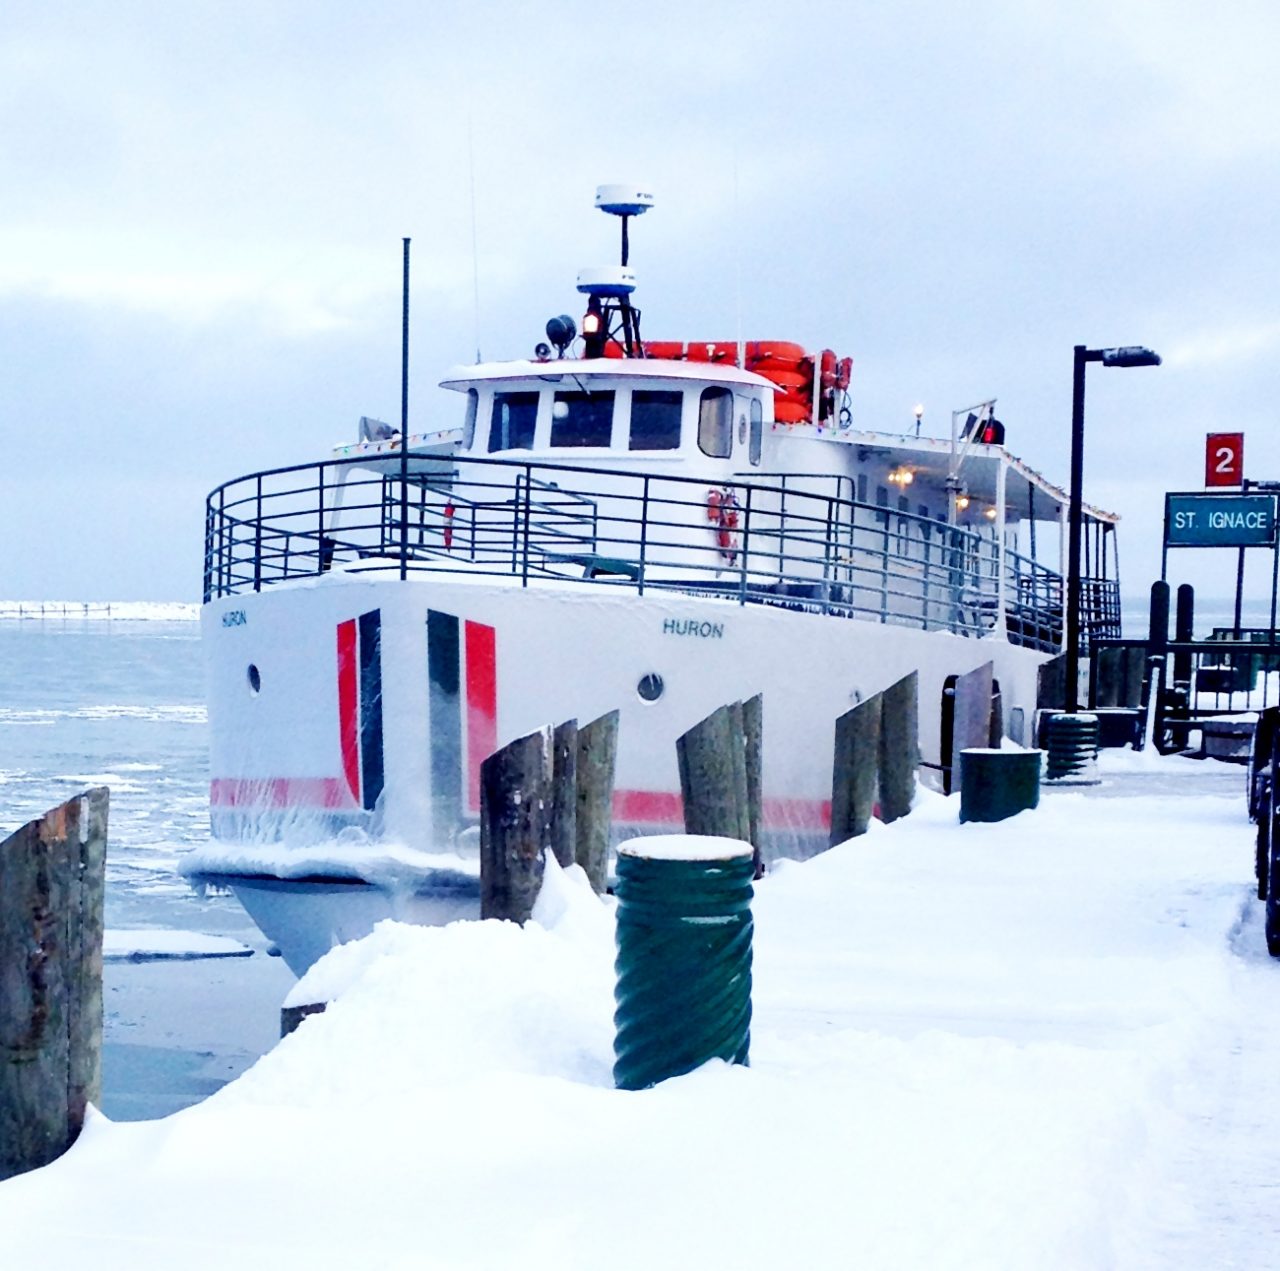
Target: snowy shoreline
x,y
973,1046
98,611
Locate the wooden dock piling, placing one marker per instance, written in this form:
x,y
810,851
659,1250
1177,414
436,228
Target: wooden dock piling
x,y
899,753
713,775
516,803
52,881
593,819
564,792
856,768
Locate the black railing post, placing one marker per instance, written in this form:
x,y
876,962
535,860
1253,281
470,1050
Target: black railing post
x,y
644,532
743,547
208,550
257,539
222,544
320,522
524,555
404,423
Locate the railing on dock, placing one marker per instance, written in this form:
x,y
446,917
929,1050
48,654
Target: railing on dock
x,y
774,541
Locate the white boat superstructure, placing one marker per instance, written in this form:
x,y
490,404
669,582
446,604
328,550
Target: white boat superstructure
x,y
635,529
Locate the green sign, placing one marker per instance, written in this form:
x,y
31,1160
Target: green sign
x,y
1220,520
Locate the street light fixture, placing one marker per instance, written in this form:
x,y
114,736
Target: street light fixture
x,y
1129,355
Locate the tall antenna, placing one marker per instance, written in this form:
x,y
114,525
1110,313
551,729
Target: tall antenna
x,y
475,251
737,260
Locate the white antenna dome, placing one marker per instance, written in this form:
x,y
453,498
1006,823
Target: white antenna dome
x,y
607,280
623,200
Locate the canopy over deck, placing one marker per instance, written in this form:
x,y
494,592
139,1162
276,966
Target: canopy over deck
x,y
1028,495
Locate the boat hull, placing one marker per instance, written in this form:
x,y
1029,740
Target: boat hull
x,y
349,715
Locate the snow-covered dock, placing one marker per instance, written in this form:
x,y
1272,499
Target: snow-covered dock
x,y
1044,1043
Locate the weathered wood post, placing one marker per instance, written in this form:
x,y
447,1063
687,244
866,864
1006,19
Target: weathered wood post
x,y
516,802
564,792
593,820
899,747
713,775
753,737
1051,683
971,721
52,878
1135,668
855,778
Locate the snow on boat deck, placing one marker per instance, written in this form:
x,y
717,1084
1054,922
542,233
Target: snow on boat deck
x,y
1040,1043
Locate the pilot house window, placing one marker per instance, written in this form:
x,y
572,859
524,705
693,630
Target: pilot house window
x,y
655,419
582,419
715,423
514,417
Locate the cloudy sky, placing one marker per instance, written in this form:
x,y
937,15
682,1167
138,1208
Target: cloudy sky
x,y
202,206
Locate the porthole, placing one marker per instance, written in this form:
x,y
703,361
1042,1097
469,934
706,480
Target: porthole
x,y
650,687
255,679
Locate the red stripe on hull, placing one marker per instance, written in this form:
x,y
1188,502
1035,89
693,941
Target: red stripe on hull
x,y
348,706
630,807
482,704
278,793
648,807
665,807
797,814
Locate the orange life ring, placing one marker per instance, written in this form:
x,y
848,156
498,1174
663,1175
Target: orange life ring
x,y
667,350
782,350
771,366
711,351
449,511
791,412
844,373
722,511
792,381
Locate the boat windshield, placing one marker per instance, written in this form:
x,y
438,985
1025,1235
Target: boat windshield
x,y
655,419
512,422
582,419
715,422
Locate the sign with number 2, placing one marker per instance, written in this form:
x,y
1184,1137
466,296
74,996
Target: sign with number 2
x,y
1224,458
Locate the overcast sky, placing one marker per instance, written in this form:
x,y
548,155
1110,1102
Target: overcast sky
x,y
201,208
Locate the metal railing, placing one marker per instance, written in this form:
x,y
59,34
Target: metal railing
x,y
761,542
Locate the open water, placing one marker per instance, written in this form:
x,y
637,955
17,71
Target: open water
x,y
120,703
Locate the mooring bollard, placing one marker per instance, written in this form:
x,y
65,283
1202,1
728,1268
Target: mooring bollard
x,y
684,956
997,784
1071,742
52,880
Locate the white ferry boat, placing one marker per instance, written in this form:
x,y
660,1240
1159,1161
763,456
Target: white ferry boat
x,y
657,528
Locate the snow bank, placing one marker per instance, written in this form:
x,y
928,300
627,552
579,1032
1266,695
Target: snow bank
x,y
971,1047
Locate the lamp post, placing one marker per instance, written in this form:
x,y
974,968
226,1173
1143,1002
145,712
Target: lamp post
x,y
1130,355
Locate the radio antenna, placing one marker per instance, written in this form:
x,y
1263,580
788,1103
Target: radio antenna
x,y
475,251
737,260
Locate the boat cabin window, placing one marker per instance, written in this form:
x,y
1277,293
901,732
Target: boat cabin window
x,y
757,430
469,424
655,419
582,419
513,420
715,422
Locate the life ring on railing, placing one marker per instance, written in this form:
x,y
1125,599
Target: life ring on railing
x,y
722,511
449,511
791,411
